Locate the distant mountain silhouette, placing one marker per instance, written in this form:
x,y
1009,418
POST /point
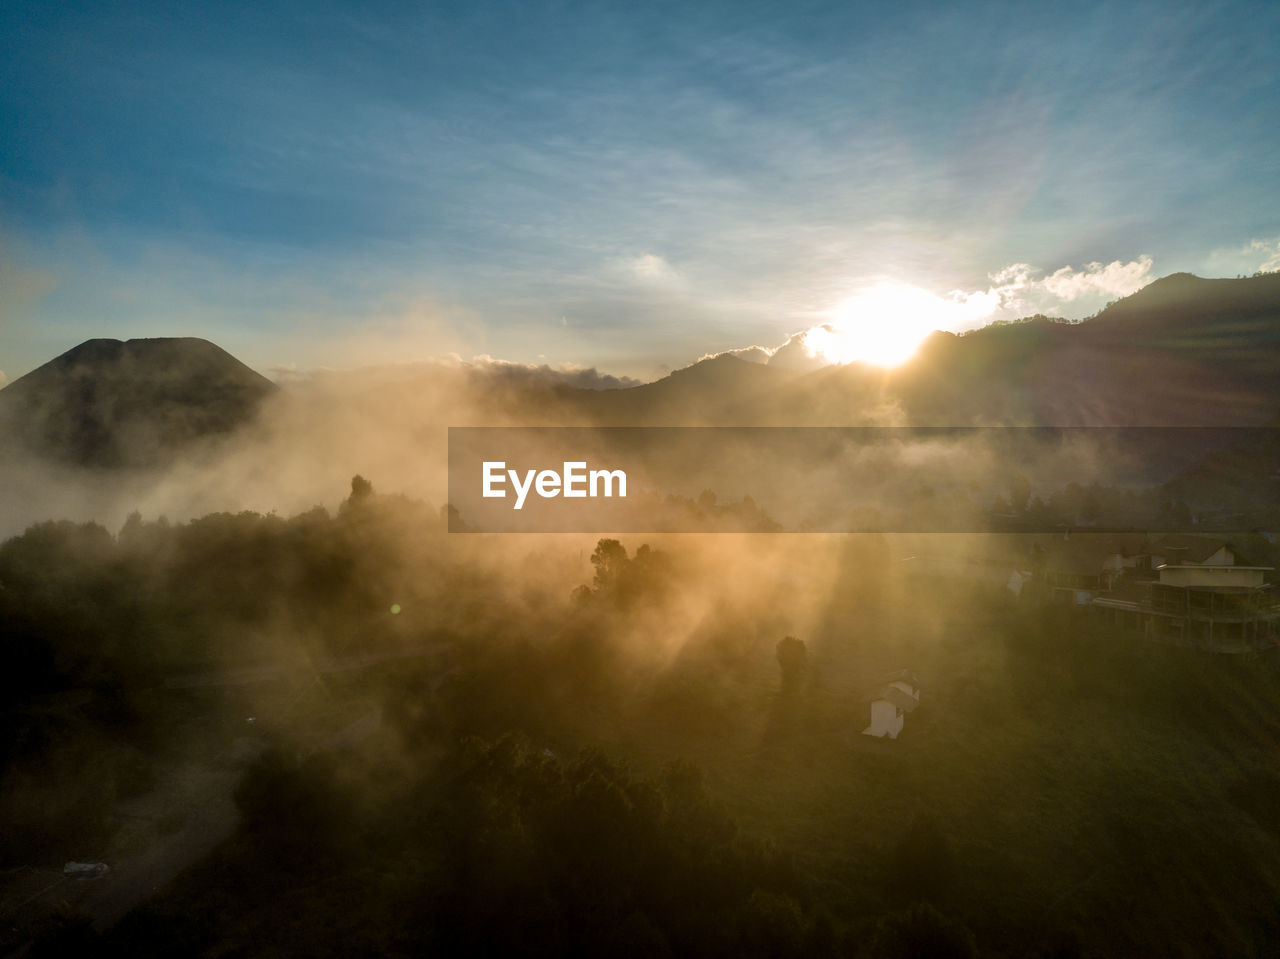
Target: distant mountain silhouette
x,y
1183,351
723,390
108,403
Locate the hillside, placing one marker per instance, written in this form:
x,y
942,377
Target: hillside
x,y
1065,788
1180,352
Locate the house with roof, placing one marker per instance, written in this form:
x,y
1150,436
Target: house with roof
x,y
890,703
1078,567
1181,549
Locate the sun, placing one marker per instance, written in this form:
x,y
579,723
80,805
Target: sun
x,y
883,325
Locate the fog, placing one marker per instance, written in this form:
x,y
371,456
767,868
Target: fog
x,y
261,675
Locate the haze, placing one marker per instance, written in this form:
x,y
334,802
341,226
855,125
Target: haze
x,y
269,688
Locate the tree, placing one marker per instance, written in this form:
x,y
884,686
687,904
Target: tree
x,y
361,490
610,559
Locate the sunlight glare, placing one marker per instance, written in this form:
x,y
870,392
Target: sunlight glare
x,y
885,324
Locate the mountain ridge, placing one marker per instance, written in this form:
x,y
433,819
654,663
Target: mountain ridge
x,y
1183,351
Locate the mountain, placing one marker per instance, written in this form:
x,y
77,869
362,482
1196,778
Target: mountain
x,y
723,390
107,403
1182,301
1183,351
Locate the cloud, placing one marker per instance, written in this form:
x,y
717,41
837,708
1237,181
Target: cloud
x,y
1256,256
1115,279
1020,289
566,374
285,373
801,351
1269,250
797,353
748,354
649,269
651,266
484,367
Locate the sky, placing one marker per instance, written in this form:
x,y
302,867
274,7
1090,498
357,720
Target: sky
x,y
628,186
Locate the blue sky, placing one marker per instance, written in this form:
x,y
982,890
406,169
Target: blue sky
x,y
622,185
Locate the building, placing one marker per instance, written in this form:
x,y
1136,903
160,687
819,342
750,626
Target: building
x,y
1220,607
1199,594
1078,567
890,703
1180,549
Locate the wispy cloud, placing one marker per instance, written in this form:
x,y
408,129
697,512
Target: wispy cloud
x,y
1244,259
651,268
1272,255
1269,250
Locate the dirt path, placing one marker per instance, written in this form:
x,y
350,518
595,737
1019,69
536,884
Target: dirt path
x,y
190,811
203,800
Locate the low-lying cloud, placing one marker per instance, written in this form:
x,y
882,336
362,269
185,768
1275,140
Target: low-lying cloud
x,y
495,370
566,374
